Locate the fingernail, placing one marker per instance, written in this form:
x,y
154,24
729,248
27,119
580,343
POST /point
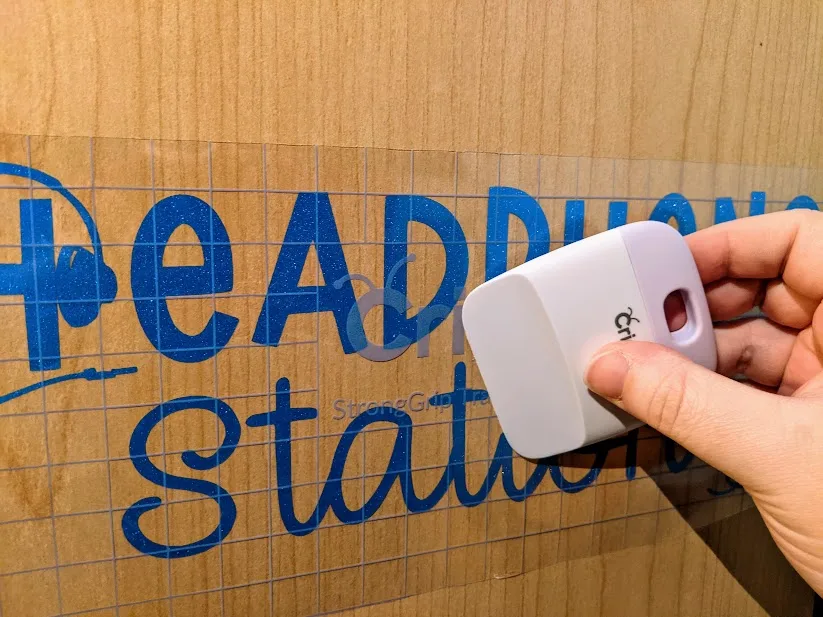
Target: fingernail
x,y
606,374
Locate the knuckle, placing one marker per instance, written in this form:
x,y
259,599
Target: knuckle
x,y
802,214
805,217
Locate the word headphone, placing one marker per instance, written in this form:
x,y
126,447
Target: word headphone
x,y
83,281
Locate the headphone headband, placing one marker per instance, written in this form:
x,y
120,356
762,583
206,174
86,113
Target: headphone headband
x,y
35,175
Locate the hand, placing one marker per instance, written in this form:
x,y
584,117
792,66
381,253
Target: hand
x,y
766,433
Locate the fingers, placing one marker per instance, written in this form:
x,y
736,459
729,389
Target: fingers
x,y
755,348
781,244
730,298
718,419
817,330
802,367
787,306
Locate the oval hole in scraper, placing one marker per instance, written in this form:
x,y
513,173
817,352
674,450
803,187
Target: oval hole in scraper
x,y
680,316
674,307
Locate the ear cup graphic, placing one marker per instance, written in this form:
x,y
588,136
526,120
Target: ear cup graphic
x,y
84,282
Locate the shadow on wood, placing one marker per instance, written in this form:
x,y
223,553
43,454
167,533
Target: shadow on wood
x,y
744,546
730,526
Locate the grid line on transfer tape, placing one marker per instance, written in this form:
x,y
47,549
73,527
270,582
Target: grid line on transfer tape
x,y
40,346
656,472
598,480
365,440
526,504
317,369
269,442
294,439
451,436
103,401
477,196
165,506
144,404
489,454
215,377
481,543
662,506
648,192
406,510
257,244
270,429
504,538
365,194
560,509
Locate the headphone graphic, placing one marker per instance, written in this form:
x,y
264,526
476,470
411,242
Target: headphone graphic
x,y
84,281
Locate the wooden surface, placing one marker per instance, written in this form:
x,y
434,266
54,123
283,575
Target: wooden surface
x,y
294,127
700,80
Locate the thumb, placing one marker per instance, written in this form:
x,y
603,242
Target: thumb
x,y
727,424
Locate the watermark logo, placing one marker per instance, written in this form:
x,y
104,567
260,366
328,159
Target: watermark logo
x,y
415,402
393,299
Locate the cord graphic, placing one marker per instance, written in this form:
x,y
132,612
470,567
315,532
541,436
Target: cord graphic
x,y
89,374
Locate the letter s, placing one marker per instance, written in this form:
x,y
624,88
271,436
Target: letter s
x,y
336,405
193,460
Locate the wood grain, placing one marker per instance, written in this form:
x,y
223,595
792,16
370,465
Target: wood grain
x,y
245,105
599,586
735,82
